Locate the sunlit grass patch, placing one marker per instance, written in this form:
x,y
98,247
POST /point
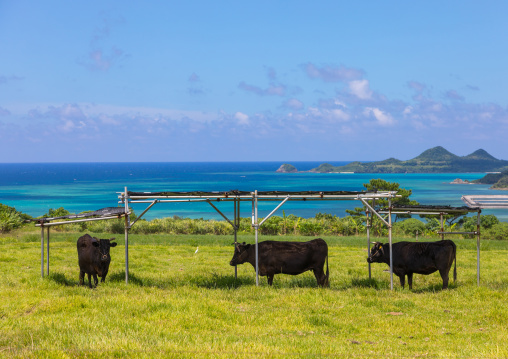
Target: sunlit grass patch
x,y
179,303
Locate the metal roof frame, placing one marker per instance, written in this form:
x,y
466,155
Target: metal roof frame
x,y
254,197
440,210
486,201
98,215
235,196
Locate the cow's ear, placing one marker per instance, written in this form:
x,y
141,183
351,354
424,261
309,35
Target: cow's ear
x,y
113,244
95,244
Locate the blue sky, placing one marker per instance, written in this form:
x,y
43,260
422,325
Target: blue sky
x,y
261,80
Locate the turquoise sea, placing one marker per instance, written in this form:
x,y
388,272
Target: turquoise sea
x,y
34,188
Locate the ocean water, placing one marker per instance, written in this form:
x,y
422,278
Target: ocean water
x,y
35,188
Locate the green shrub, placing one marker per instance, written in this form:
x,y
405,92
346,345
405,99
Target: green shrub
x,y
59,212
310,227
409,227
498,231
273,226
469,224
10,218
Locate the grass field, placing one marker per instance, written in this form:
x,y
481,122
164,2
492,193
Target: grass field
x,y
182,304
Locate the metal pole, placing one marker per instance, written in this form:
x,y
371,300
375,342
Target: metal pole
x,y
48,254
127,222
368,240
478,249
257,230
236,221
42,250
442,226
390,239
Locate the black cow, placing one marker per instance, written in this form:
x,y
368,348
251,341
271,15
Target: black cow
x,y
94,258
286,257
417,257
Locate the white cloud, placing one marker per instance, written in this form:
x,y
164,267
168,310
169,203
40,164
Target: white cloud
x,y
329,115
67,126
340,103
108,120
339,115
242,118
360,88
407,111
384,119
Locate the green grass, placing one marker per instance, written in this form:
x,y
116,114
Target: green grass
x,y
181,304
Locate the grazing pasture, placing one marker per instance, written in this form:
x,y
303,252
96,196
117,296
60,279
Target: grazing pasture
x,y
185,304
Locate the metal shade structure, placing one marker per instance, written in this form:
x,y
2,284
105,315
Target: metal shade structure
x,y
441,211
487,201
126,198
98,215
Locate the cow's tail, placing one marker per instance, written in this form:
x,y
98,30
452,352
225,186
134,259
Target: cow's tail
x,y
327,280
455,260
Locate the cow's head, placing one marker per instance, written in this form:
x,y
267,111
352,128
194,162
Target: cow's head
x,y
103,246
376,253
241,254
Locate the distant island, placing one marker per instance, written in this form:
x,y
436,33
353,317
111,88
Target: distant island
x,y
434,160
287,168
497,180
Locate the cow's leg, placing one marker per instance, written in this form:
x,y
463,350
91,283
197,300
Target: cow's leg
x,y
410,280
270,278
104,273
89,280
81,277
402,278
320,277
95,280
444,275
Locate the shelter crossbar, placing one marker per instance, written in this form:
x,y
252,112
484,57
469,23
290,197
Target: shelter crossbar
x,y
261,195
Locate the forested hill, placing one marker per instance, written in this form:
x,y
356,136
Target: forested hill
x,y
497,180
434,160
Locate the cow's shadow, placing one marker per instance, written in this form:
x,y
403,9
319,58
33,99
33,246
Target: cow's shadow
x,y
383,284
61,279
120,277
215,281
366,283
431,288
218,281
